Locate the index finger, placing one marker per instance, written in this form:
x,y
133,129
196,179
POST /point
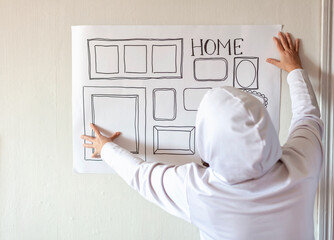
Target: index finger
x,y
95,129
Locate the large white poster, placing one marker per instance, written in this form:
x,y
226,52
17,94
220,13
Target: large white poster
x,y
147,82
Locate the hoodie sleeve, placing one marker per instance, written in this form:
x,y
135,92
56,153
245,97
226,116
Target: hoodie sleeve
x,y
163,185
305,133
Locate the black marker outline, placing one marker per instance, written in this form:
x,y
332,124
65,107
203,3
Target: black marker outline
x,y
210,59
184,97
96,62
148,75
175,60
136,120
235,72
154,103
258,94
144,97
124,60
163,151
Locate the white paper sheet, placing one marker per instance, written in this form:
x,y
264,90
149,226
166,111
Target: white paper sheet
x,y
147,82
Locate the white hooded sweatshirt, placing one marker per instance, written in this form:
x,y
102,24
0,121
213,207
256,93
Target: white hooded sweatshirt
x,y
254,188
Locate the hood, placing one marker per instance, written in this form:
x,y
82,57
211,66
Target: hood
x,y
235,135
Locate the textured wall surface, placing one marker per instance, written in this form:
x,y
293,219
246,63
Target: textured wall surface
x,y
40,196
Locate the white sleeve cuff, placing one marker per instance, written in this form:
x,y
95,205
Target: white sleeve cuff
x,y
122,161
294,74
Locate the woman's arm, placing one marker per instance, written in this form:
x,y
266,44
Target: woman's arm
x,y
164,185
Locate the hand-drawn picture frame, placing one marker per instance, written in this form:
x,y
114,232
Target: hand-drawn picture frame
x,y
184,146
101,106
159,58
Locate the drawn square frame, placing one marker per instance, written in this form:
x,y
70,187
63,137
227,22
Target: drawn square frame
x,y
97,61
119,91
175,60
210,59
188,129
236,84
124,60
154,104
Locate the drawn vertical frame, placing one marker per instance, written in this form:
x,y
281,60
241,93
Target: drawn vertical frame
x,y
89,60
141,114
136,120
210,59
181,59
124,60
256,77
175,62
154,104
96,59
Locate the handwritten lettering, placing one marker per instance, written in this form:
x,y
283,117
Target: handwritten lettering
x,y
216,47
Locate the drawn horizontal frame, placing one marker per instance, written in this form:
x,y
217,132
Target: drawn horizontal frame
x,y
190,130
149,42
197,60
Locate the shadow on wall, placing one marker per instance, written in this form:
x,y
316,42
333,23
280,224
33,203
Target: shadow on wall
x,y
312,69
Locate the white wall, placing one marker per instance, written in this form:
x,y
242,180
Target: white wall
x,y
40,196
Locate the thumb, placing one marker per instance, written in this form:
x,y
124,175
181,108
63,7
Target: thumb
x,y
274,62
115,135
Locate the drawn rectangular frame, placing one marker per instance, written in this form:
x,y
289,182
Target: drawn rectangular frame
x,y
138,93
124,60
175,62
210,59
162,151
149,42
136,119
155,105
184,96
96,59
